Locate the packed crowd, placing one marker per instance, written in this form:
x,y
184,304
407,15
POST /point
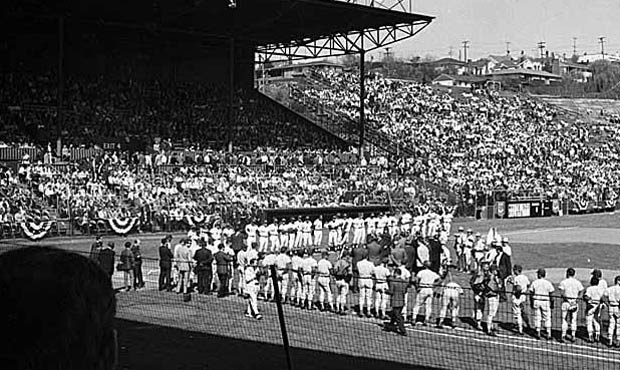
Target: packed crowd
x,y
165,186
480,139
98,110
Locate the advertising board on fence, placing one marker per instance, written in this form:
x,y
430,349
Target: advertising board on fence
x,y
516,210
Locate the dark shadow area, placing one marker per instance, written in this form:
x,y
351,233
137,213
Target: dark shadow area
x,y
148,346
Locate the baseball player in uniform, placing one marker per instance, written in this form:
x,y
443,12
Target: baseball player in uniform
x,y
342,274
306,233
426,280
251,229
345,232
450,301
308,269
268,261
365,269
251,289
263,237
406,275
332,236
296,280
593,297
393,225
274,238
324,272
541,302
299,226
282,262
371,224
358,230
317,227
283,233
612,299
520,285
381,274
570,288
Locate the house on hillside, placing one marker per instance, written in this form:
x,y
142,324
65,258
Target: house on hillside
x,y
525,76
534,64
498,62
459,81
449,65
576,71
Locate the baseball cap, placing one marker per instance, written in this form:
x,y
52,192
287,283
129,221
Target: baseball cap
x,y
541,272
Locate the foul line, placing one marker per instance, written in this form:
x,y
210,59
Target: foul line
x,y
607,359
539,231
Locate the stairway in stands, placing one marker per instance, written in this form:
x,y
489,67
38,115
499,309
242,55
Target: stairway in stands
x,y
288,93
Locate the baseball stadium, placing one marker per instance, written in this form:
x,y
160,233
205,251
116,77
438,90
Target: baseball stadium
x,y
255,207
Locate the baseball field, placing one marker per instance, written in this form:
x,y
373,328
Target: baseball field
x,y
157,330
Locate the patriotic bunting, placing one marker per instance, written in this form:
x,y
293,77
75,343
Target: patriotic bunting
x,y
36,230
123,226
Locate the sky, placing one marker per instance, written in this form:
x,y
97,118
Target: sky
x,y
489,24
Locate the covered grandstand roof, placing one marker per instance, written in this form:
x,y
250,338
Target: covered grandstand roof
x,y
259,22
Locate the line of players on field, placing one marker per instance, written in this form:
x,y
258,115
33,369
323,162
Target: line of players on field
x,y
302,232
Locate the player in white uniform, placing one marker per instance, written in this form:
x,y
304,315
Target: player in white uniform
x,y
263,237
520,285
593,297
296,281
450,301
283,262
381,274
251,288
268,261
570,288
308,270
371,224
332,237
393,225
426,281
274,238
382,223
365,270
306,233
405,275
283,233
317,227
251,229
358,230
324,272
299,225
216,233
612,299
541,290
345,232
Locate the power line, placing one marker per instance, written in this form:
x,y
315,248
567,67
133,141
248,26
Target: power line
x,y
601,40
541,46
465,47
574,46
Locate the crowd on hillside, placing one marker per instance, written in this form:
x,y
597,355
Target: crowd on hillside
x,y
480,139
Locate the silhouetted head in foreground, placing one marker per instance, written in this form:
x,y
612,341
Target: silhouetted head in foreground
x,y
56,312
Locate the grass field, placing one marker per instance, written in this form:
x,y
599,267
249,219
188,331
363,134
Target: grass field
x,y
158,330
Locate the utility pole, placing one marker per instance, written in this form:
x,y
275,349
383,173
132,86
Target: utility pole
x,y
450,52
465,47
507,47
601,41
541,46
574,46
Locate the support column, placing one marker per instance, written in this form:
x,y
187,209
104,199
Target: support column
x,y
362,95
61,85
231,94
